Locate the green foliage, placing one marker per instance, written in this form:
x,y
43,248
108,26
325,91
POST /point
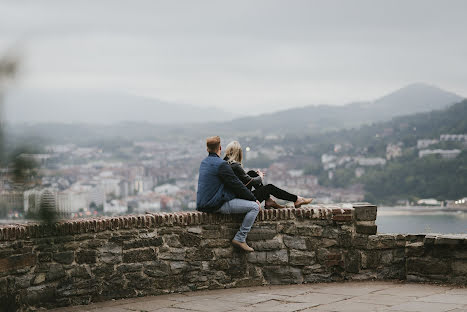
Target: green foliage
x,y
424,178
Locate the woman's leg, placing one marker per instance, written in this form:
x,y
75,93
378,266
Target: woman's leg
x,y
264,192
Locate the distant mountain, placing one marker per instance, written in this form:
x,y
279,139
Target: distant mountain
x,y
73,106
411,99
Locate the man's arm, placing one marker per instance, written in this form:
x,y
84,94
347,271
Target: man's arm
x,y
232,182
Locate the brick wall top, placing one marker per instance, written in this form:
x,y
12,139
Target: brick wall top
x,y
335,212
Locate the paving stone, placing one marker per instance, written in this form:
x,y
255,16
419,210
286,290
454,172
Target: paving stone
x,y
279,306
210,305
383,299
446,298
418,306
346,306
411,290
320,298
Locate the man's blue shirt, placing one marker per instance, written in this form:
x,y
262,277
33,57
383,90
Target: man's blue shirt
x,y
218,184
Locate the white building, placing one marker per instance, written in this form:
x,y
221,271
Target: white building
x,y
448,154
166,189
453,137
375,161
429,201
426,143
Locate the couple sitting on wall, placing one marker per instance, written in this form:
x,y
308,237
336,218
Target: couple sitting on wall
x,y
224,187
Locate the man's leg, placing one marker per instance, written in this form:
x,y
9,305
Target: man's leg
x,y
237,205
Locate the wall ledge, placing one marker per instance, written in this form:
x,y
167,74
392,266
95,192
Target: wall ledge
x,y
343,212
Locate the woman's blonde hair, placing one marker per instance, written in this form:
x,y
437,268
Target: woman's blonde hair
x,y
234,152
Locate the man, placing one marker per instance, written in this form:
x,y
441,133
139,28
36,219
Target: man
x,y
219,190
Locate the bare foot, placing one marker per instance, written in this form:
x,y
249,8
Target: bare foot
x,y
302,201
242,245
270,203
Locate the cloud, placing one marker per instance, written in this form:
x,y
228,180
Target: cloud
x,y
255,56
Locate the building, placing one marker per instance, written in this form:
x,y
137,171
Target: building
x,y
375,161
426,143
447,154
453,137
393,151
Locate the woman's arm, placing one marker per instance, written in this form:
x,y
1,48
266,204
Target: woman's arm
x,y
244,177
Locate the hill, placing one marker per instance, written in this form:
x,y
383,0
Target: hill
x,y
317,119
100,107
407,176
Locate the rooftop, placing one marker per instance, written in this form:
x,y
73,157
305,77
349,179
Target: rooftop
x,y
321,297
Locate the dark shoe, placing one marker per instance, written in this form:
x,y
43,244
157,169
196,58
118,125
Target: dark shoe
x,y
302,201
269,204
242,246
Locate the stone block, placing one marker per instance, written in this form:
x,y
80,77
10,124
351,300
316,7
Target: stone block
x,y
177,267
39,279
315,268
360,241
312,230
138,281
139,255
271,244
381,241
334,259
277,257
172,240
103,270
449,240
261,233
370,259
142,242
214,243
16,262
55,272
44,257
129,267
257,257
222,252
352,261
364,228
459,267
460,253
188,239
294,242
86,256
365,212
414,249
276,275
66,257
79,272
298,257
288,228
330,232
427,266
195,254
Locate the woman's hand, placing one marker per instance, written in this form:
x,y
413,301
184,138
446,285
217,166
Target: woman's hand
x,y
259,204
260,173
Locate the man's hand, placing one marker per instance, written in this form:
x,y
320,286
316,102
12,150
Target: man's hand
x,y
259,204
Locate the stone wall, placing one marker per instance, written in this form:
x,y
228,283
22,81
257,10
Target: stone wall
x,y
77,262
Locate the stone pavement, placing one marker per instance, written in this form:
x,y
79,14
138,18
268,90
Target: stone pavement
x,y
348,296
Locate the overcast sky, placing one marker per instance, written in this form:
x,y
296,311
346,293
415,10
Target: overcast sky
x,y
247,56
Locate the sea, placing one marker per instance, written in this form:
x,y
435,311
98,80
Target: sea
x,y
405,221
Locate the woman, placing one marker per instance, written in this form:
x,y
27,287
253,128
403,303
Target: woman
x,y
234,156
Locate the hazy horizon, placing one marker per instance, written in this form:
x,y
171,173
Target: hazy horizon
x,y
244,57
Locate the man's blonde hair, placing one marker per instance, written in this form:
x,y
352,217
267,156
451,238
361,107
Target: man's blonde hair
x,y
234,152
213,143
